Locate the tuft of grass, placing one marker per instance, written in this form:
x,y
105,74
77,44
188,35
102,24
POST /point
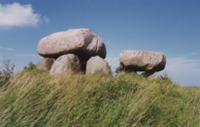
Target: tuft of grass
x,y
33,98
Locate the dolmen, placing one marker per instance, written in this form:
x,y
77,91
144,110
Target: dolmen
x,y
147,61
73,51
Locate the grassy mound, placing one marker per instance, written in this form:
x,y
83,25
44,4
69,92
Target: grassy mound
x,y
33,98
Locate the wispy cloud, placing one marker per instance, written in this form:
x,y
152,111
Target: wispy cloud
x,y
9,49
28,55
17,15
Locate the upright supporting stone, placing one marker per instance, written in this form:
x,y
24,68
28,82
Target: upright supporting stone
x,y
45,63
97,65
66,64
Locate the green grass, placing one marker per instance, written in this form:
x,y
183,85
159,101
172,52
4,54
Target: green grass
x,y
33,98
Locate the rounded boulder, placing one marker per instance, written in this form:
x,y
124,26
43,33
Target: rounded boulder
x,y
45,63
97,65
66,64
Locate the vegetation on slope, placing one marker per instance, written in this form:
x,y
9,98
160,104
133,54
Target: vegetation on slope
x,y
33,98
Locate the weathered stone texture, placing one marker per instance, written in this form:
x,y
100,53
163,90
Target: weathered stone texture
x,y
66,64
81,42
45,63
97,65
135,60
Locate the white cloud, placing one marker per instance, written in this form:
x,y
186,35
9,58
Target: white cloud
x,y
9,49
28,55
17,15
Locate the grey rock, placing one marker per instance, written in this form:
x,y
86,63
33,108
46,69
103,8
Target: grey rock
x,y
81,42
45,63
152,75
66,64
155,76
135,60
97,65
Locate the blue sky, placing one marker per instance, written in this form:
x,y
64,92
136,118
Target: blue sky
x,y
171,27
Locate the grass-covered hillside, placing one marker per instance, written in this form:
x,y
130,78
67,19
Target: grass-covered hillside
x,y
33,98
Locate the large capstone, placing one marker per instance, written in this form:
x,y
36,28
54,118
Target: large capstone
x,y
135,60
81,42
